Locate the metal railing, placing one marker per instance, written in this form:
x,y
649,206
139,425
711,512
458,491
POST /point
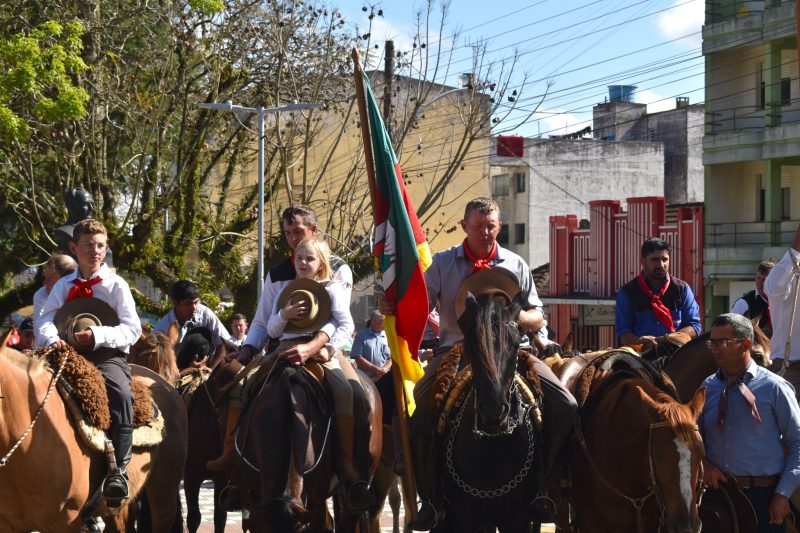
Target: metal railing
x,y
732,119
746,234
719,11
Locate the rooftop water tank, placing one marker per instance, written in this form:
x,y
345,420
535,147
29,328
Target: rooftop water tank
x,y
621,93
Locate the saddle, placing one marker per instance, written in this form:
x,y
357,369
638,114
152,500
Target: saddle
x,y
452,386
82,388
585,373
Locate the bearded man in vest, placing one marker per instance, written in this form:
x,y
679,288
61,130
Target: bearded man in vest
x,y
654,303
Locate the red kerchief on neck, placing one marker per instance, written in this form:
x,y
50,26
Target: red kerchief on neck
x,y
480,264
83,289
659,309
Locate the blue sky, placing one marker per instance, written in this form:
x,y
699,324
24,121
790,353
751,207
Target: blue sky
x,y
578,46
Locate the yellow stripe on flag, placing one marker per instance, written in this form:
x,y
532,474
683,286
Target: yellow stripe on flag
x,y
410,369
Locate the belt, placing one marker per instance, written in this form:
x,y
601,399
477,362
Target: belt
x,y
746,482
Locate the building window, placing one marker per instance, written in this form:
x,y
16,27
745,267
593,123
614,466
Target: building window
x,y
519,233
502,237
785,207
500,185
761,87
651,134
786,91
519,182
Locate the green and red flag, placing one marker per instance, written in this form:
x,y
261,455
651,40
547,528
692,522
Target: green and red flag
x,y
401,255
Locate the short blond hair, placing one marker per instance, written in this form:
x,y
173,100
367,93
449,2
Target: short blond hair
x,y
322,250
88,226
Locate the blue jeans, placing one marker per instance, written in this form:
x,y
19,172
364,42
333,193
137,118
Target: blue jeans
x,y
760,498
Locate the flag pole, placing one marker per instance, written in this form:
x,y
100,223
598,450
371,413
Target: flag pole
x,y
408,481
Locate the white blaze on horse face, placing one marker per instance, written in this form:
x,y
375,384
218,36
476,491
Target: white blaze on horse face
x,y
685,471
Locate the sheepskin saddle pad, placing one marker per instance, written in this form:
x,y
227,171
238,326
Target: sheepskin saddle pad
x,y
190,380
83,389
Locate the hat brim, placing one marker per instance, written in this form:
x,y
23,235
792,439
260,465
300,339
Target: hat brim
x,y
727,507
323,304
493,281
78,306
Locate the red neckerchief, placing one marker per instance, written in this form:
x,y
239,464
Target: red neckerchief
x,y
480,264
83,289
659,309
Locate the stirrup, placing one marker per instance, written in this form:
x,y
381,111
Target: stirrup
x,y
368,496
438,516
112,499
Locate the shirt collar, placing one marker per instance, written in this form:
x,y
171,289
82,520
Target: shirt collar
x,y
103,272
502,253
749,372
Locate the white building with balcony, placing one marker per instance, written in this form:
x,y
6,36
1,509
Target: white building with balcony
x,y
751,147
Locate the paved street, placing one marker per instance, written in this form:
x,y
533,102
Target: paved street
x,y
235,519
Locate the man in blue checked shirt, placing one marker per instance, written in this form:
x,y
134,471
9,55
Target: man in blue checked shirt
x,y
749,416
371,348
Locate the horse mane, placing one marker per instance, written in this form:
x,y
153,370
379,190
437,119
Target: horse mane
x,y
489,330
675,413
760,338
154,351
31,364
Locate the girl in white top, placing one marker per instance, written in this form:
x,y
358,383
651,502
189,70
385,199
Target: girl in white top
x,y
312,261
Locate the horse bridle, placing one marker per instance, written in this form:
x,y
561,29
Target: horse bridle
x,y
638,503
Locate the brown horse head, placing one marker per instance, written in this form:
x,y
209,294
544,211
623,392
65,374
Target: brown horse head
x,y
676,453
761,349
154,351
491,340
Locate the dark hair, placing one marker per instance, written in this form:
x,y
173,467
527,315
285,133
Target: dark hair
x,y
298,210
26,325
184,290
741,325
483,205
238,316
653,244
766,266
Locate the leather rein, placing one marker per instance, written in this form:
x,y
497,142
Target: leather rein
x,y
637,503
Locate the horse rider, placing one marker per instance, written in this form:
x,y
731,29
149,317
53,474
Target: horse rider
x,y
654,303
57,266
189,313
93,279
781,288
299,222
755,304
749,404
449,268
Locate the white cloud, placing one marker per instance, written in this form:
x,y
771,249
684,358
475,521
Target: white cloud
x,y
554,122
655,102
682,20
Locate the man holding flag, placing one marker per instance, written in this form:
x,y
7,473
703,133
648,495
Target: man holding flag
x,y
449,268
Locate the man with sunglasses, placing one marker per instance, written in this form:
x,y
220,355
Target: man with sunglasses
x,y
750,414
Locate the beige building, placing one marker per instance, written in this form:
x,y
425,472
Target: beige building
x,y
442,167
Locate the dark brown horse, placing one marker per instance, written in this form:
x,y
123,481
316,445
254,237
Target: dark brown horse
x,y
491,454
285,448
637,462
49,477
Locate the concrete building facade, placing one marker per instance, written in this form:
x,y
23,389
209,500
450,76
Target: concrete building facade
x,y
563,176
751,147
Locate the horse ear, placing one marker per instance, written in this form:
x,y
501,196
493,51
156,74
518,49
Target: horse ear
x,y
649,403
472,303
174,332
697,402
568,343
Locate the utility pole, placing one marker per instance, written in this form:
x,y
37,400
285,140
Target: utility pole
x,y
388,79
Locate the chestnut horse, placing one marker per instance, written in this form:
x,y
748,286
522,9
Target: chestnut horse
x,y
637,461
491,444
285,450
47,479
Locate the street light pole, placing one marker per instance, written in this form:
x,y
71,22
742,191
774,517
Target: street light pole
x,y
260,111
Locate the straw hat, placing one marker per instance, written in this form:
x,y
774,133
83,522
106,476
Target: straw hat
x,y
316,298
79,314
487,283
